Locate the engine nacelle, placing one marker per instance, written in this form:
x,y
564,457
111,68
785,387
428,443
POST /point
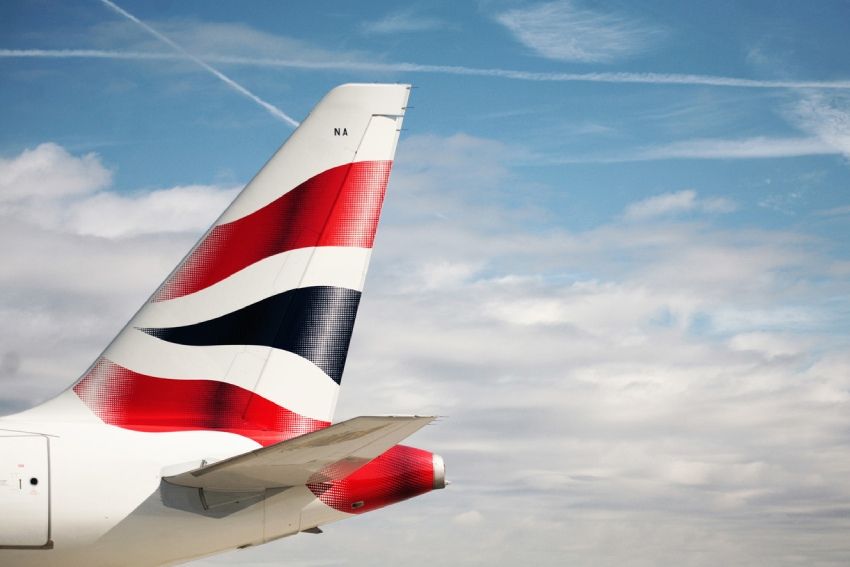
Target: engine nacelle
x,y
400,473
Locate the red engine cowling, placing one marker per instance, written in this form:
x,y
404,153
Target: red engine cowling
x,y
400,473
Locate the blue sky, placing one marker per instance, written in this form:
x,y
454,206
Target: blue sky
x,y
613,250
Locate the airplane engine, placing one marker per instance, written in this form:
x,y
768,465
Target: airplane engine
x,y
398,474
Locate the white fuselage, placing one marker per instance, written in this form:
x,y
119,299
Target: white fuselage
x,y
103,500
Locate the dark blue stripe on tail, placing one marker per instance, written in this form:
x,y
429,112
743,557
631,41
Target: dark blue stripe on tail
x,y
312,322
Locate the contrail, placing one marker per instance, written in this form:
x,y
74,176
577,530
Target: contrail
x,y
275,111
365,66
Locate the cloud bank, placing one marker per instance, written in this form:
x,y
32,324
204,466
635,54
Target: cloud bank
x,y
656,389
627,390
85,257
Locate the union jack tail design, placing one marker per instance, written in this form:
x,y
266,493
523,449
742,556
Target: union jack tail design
x,y
249,334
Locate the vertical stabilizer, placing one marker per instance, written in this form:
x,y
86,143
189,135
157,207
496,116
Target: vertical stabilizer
x,y
249,334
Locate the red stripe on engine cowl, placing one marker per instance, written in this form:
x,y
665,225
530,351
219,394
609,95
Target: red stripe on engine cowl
x,y
339,207
398,474
139,402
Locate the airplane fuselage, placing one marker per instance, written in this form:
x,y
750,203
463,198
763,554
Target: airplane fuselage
x,y
100,498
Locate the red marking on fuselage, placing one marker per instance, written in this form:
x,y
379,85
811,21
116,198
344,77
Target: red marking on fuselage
x,y
140,402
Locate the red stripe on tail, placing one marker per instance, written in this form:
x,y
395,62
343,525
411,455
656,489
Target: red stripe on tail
x,y
339,207
139,402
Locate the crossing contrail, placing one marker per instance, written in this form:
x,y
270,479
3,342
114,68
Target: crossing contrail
x,y
380,67
272,109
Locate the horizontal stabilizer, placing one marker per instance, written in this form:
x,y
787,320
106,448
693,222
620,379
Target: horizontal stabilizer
x,y
326,455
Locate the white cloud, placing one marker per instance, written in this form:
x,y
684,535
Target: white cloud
x,y
441,275
770,345
470,518
759,147
402,22
562,30
827,118
616,311
674,203
58,191
48,172
747,148
786,203
178,209
662,204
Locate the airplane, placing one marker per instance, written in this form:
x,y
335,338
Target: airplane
x,y
206,424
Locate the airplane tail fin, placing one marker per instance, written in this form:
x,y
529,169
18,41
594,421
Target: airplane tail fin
x,y
249,334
